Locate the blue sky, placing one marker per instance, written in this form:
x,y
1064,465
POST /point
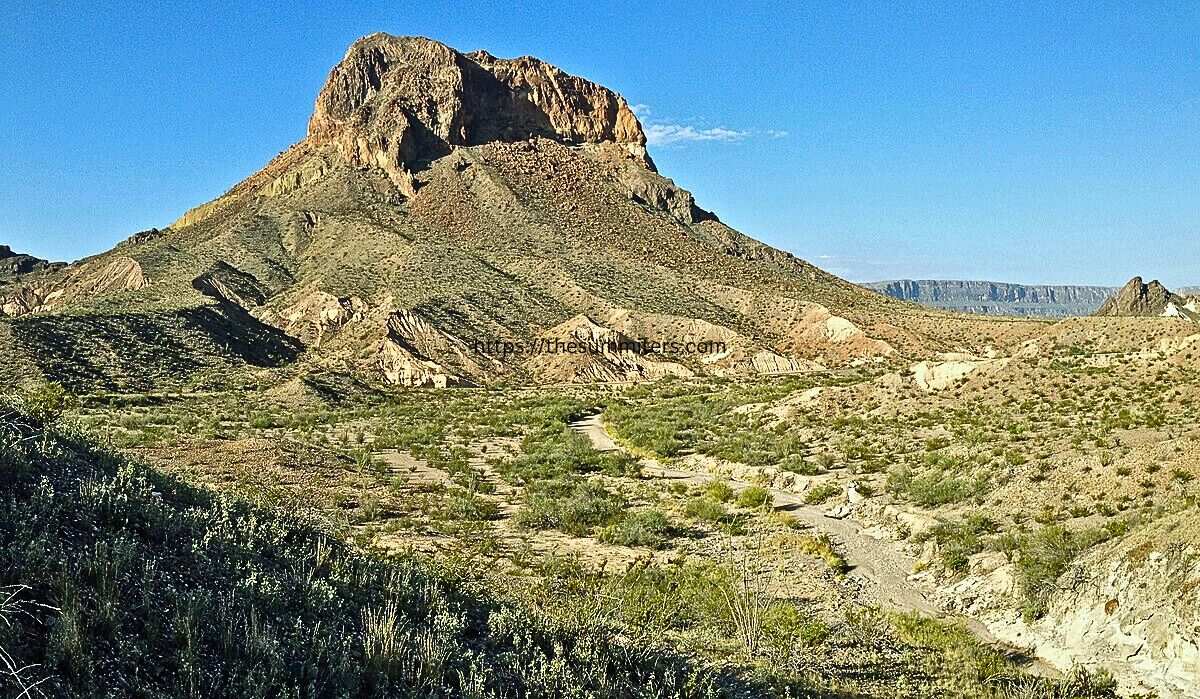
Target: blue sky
x,y
1048,142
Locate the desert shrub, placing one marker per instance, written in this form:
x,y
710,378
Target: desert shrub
x,y
559,451
1045,556
821,493
468,505
754,497
570,505
960,540
645,528
46,405
746,440
785,627
645,430
720,491
939,486
663,598
706,509
796,463
823,548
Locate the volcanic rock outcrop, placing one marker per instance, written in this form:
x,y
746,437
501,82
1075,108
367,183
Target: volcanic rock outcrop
x,y
398,103
1138,298
14,263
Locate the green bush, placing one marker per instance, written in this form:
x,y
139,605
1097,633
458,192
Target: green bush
x,y
821,493
46,405
720,491
645,528
785,627
796,463
467,505
938,486
754,497
823,548
559,451
570,505
958,541
1045,556
706,510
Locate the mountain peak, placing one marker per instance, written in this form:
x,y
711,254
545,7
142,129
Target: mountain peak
x,y
1138,298
398,102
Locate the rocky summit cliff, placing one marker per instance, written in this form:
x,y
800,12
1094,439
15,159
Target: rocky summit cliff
x,y
1138,298
14,263
440,201
998,298
399,104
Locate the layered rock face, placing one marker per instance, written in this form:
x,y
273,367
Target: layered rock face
x,y
1137,298
98,278
998,298
399,102
1131,606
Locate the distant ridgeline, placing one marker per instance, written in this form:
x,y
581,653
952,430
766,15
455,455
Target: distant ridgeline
x,y
998,298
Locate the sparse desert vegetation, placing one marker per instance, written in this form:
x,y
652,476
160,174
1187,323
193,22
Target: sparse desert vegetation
x,y
309,441
714,568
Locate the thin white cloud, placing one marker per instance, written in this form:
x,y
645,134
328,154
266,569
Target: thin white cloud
x,y
665,132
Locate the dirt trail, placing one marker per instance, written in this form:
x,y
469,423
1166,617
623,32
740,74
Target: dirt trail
x,y
878,569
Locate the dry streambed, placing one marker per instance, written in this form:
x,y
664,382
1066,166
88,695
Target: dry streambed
x,y
879,571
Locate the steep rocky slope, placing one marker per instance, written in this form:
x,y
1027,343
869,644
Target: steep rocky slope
x,y
440,202
1132,606
998,298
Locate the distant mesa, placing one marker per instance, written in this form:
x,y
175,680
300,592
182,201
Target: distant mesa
x,y
1041,300
1138,298
998,298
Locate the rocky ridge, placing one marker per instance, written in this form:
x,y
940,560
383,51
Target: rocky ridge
x,y
12,263
398,103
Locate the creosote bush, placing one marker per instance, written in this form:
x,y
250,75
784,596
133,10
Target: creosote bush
x,y
644,528
569,504
754,497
